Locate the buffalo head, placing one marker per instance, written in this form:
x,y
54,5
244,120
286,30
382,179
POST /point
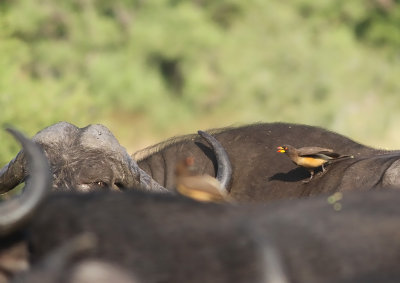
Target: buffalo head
x,y
89,159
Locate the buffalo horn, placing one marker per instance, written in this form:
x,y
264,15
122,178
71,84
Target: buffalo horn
x,y
12,173
224,172
16,211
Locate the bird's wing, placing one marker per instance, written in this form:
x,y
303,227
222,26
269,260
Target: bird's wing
x,y
331,154
313,150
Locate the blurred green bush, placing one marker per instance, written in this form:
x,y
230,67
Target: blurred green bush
x,y
154,68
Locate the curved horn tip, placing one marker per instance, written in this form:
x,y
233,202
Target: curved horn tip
x,y
203,134
224,171
13,172
16,211
16,134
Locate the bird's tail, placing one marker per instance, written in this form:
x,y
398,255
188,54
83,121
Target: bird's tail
x,y
343,157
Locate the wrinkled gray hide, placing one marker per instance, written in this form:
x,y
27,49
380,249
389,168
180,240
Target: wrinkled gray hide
x,y
81,159
90,159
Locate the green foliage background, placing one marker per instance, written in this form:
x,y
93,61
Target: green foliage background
x,y
156,68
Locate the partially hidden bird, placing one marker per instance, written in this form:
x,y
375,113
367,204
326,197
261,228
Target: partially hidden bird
x,y
311,157
199,187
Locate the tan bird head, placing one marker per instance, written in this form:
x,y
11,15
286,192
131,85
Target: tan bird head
x,y
185,167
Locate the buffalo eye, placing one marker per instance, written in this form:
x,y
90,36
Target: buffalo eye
x,y
101,184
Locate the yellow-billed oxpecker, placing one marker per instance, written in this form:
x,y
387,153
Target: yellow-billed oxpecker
x,y
311,157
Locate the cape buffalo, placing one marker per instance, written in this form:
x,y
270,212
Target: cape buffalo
x,y
262,174
90,158
168,238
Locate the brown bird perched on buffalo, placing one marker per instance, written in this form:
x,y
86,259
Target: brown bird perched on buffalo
x,y
199,187
311,157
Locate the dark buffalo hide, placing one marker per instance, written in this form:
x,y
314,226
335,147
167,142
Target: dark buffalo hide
x,y
163,238
86,159
348,237
262,174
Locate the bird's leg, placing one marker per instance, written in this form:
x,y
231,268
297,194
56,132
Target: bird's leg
x,y
323,170
312,175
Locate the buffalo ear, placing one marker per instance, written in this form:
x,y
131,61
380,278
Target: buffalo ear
x,y
391,177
